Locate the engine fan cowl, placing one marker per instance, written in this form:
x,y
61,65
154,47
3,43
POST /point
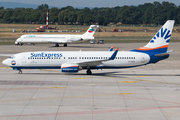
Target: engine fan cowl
x,y
69,67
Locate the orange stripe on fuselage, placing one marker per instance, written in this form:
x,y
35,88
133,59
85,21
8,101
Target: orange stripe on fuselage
x,y
146,48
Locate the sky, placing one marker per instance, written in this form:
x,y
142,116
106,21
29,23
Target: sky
x,y
90,3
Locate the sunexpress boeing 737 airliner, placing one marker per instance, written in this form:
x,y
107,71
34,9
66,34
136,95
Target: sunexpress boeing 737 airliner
x,y
73,61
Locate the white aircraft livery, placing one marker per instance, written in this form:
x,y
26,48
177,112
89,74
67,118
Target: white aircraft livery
x,y
57,39
73,61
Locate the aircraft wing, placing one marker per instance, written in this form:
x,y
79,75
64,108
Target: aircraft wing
x,y
6,54
66,39
51,41
111,49
98,62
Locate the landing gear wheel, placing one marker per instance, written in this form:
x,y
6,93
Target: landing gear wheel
x,y
89,72
21,44
56,45
65,45
20,72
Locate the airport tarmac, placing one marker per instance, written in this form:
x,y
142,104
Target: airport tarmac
x,y
150,92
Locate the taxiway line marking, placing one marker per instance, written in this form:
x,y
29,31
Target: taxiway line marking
x,y
128,81
80,78
153,81
50,71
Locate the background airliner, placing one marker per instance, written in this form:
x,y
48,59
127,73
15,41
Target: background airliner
x,y
73,61
57,39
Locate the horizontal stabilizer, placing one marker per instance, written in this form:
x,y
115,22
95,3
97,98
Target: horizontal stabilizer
x,y
163,54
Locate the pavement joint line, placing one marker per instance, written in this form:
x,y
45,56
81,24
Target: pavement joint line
x,y
66,97
16,89
54,98
92,112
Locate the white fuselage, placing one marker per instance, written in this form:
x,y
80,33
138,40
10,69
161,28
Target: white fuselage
x,y
48,59
48,38
57,38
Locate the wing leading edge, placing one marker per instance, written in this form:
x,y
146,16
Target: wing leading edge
x,y
98,62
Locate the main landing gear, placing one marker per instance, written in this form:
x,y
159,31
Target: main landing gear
x,y
20,72
89,72
56,45
65,45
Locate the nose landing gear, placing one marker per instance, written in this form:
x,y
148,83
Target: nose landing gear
x,y
20,72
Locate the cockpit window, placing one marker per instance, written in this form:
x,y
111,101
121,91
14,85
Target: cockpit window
x,y
11,57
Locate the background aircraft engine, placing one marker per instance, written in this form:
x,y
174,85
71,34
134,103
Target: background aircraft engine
x,y
68,67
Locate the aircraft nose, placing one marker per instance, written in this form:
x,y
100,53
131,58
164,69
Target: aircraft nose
x,y
17,41
5,62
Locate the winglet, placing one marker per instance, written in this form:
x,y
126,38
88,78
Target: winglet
x,y
114,54
111,49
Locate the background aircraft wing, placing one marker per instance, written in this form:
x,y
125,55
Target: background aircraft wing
x,y
57,41
6,54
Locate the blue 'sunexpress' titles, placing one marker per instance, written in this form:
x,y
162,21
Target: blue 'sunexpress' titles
x,y
46,55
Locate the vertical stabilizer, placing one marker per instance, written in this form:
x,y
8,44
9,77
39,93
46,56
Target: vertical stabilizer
x,y
160,42
90,32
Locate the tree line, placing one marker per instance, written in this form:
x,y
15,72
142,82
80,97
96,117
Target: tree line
x,y
148,13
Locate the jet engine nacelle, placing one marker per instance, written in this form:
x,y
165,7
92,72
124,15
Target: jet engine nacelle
x,y
69,67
